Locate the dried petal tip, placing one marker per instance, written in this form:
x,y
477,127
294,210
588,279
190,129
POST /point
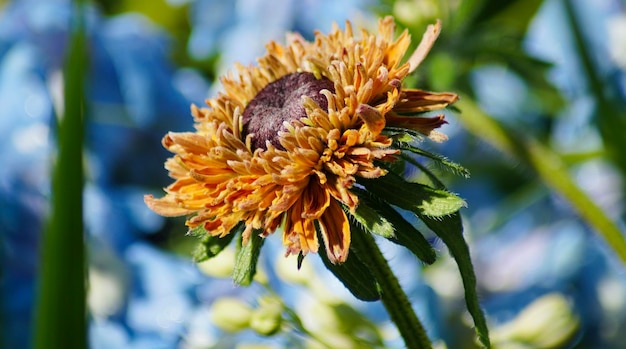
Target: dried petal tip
x,y
372,118
428,40
166,206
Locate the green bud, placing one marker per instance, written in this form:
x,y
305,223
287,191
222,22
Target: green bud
x,y
548,322
287,270
261,276
220,266
230,314
267,318
415,11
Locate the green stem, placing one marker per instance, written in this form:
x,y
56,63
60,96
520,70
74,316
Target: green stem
x,y
393,297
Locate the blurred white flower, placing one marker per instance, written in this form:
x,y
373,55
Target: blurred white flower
x,y
616,27
548,322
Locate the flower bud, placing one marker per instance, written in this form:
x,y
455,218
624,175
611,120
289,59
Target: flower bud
x,y
220,266
287,270
548,322
230,314
267,318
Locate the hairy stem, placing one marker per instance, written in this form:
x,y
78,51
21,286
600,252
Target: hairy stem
x,y
393,297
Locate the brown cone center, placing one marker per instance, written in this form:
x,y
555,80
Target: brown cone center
x,y
281,101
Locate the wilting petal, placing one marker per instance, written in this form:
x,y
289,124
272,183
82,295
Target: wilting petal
x,y
423,125
372,118
428,40
335,232
299,234
418,101
166,206
315,200
190,142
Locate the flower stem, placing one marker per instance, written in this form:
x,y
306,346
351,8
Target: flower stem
x,y
393,297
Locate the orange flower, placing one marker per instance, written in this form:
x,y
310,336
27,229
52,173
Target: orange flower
x,y
285,140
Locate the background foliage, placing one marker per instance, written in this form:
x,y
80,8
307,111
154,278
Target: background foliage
x,y
539,126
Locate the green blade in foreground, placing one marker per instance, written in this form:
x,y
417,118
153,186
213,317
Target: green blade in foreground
x,y
547,164
61,316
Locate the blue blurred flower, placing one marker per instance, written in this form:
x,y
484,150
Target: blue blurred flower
x,y
133,98
238,30
142,297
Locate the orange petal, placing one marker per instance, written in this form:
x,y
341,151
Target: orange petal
x,y
372,118
189,141
417,101
165,206
335,232
299,233
428,40
420,124
315,200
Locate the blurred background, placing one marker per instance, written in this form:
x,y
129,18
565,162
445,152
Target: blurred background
x,y
543,86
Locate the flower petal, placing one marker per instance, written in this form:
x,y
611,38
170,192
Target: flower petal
x,y
428,40
418,101
335,232
299,233
423,125
315,200
166,206
372,118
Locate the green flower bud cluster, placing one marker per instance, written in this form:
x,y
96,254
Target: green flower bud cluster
x,y
233,315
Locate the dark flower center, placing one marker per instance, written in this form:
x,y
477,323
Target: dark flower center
x,y
281,101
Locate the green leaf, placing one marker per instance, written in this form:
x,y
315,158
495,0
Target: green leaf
x,y
61,315
439,159
450,230
209,245
353,273
415,197
371,220
405,233
516,14
247,258
609,112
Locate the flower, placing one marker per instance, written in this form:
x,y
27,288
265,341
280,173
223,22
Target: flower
x,y
286,139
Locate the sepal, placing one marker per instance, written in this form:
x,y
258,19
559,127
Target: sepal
x,y
209,245
247,258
